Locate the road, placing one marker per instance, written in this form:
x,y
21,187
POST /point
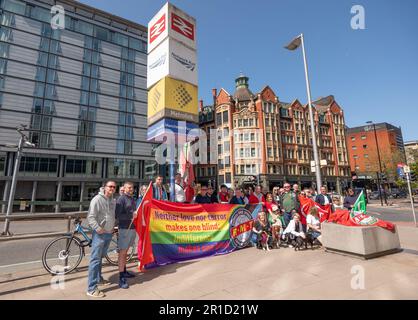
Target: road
x,y
26,254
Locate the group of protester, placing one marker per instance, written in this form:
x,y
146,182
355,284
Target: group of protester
x,y
279,219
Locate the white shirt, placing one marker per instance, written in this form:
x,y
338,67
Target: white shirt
x,y
326,201
180,194
312,220
291,228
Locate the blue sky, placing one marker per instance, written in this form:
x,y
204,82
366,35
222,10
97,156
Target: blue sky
x,y
372,73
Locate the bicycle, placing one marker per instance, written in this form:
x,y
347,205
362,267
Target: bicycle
x,y
64,254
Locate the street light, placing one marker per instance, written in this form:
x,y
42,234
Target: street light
x,y
293,46
380,165
23,142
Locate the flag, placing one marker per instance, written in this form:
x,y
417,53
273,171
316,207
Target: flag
x,y
186,171
307,203
358,217
359,206
145,255
295,43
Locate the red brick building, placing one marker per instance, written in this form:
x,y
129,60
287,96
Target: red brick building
x,y
261,136
362,149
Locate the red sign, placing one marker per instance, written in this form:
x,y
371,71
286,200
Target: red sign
x,y
182,26
157,29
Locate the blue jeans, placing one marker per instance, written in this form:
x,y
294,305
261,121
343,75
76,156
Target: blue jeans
x,y
287,217
99,246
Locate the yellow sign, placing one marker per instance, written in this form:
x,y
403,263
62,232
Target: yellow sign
x,y
175,99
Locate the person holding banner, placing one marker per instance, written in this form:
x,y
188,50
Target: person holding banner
x,y
203,197
125,214
159,192
238,197
142,191
223,194
180,195
212,195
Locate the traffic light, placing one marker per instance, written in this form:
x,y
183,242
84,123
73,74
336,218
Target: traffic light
x,y
413,176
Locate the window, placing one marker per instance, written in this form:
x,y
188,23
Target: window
x,y
353,138
83,27
225,117
354,147
4,50
366,155
218,119
363,137
14,6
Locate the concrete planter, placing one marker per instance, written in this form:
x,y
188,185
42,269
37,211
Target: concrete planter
x,y
361,242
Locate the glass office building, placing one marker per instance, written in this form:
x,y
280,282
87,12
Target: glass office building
x,y
81,92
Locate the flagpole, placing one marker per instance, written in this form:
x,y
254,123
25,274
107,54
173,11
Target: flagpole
x,y
312,122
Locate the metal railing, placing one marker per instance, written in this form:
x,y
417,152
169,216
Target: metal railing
x,y
69,216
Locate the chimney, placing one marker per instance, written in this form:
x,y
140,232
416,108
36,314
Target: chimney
x,y
201,105
214,94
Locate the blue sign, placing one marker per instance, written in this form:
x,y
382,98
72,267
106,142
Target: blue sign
x,y
169,126
400,171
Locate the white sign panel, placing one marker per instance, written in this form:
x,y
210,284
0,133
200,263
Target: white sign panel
x,y
172,59
171,21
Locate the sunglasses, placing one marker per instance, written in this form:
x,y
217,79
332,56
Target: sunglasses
x,y
111,187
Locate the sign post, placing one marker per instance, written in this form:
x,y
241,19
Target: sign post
x,y
407,172
172,81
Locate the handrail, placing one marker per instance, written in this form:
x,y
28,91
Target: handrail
x,y
42,216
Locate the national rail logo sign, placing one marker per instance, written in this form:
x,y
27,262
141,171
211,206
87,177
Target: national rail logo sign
x,y
182,26
157,29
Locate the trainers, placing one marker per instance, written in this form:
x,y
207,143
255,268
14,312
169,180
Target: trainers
x,y
123,284
128,274
104,282
96,294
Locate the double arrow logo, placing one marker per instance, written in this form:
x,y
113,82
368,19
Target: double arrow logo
x,y
182,26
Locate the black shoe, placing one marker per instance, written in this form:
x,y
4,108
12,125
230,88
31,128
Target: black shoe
x,y
128,274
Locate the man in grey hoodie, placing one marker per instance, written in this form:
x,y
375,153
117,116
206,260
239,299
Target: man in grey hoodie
x,y
101,218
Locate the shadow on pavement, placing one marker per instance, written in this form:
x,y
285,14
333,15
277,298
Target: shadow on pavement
x,y
149,274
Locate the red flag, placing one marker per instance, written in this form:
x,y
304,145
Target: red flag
x,y
343,217
187,172
307,203
145,255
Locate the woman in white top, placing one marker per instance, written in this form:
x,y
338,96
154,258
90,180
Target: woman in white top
x,y
314,224
294,230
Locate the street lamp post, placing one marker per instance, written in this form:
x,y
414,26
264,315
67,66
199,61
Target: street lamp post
x,y
379,176
23,142
292,46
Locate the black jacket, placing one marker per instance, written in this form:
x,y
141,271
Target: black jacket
x,y
321,200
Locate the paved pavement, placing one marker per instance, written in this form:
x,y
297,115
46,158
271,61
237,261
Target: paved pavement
x,y
244,274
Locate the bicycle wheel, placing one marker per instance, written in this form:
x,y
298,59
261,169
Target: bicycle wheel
x,y
62,255
112,254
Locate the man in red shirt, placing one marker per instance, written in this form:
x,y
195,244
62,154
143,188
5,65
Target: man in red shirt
x,y
223,194
259,194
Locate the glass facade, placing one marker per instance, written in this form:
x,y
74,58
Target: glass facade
x,y
80,91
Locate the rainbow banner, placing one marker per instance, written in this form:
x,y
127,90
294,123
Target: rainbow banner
x,y
179,232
